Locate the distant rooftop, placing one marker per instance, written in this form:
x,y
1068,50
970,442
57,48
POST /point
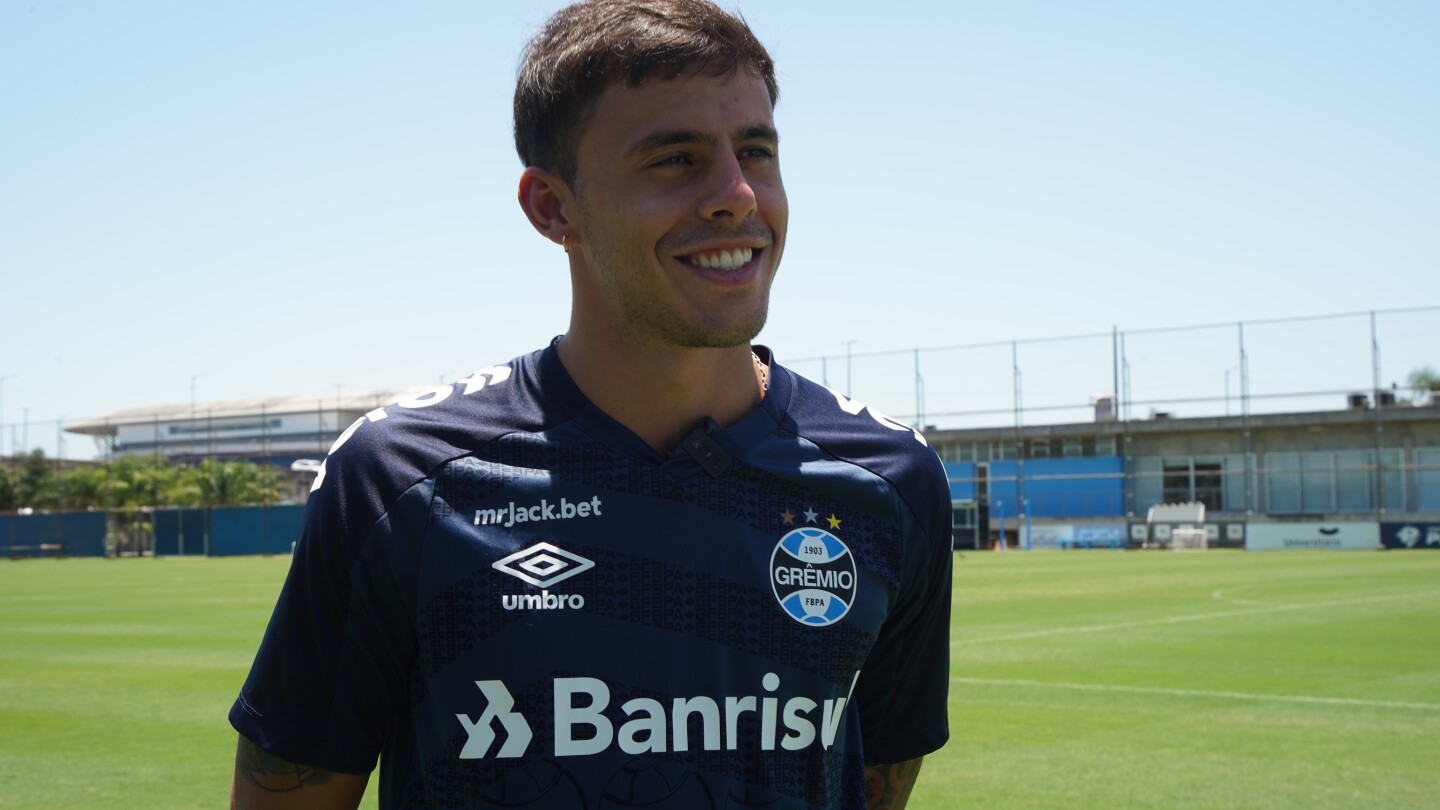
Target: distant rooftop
x,y
358,402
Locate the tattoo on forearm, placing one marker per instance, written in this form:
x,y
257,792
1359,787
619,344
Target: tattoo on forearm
x,y
887,787
274,774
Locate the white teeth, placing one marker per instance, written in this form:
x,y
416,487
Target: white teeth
x,y
723,259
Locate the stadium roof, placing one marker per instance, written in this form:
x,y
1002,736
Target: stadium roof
x,y
358,402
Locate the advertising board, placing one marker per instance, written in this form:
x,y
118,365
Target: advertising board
x,y
1298,536
1069,535
1410,535
1220,534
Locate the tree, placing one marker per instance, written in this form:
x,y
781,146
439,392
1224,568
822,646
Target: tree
x,y
1424,381
9,498
232,483
36,485
136,482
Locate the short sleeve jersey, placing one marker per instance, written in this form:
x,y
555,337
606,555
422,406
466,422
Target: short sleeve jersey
x,y
509,600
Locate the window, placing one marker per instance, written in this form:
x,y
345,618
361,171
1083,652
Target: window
x,y
957,451
1176,482
1235,481
1282,482
1147,483
1208,487
1354,479
1392,463
1002,450
1317,482
1338,481
962,516
1427,477
1105,446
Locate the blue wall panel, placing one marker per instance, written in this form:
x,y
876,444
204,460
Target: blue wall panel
x,y
235,531
1053,487
962,480
169,537
79,534
84,533
1096,490
232,530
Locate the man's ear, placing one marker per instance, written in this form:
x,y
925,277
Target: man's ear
x,y
546,201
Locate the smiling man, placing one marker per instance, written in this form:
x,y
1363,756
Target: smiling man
x,y
645,566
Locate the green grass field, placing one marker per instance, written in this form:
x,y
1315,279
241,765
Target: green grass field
x,y
1079,680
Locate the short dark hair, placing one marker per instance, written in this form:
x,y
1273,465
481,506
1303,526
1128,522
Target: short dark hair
x,y
585,47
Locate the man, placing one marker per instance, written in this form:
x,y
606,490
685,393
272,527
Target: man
x,y
646,566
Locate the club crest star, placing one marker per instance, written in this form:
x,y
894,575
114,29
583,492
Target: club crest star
x,y
810,515
834,521
787,517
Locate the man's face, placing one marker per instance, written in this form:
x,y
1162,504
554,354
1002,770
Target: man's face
x,y
681,212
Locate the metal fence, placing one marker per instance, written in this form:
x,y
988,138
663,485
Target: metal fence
x,y
1268,365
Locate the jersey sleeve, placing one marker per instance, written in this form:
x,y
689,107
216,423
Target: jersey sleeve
x,y
902,693
327,679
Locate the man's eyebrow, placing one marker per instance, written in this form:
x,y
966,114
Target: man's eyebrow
x,y
758,132
660,140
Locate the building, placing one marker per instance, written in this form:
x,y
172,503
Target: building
x,y
291,432
1343,465
1090,481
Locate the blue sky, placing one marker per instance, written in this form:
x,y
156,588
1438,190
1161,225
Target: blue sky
x,y
282,198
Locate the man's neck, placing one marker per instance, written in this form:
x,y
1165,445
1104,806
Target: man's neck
x,y
660,393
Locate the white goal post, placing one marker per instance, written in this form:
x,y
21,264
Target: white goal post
x,y
1188,539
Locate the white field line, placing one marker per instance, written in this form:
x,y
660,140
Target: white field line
x,y
1222,596
1203,693
1191,617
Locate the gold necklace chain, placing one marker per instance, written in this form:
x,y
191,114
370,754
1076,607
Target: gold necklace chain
x,y
763,370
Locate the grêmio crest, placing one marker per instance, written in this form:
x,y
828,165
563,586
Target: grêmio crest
x,y
813,576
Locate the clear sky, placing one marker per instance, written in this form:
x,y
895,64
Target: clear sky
x,y
270,198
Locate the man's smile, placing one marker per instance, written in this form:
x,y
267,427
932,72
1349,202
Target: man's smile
x,y
721,259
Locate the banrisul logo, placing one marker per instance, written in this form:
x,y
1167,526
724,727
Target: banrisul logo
x,y
813,576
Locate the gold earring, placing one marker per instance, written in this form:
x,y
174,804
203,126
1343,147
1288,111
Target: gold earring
x,y
563,238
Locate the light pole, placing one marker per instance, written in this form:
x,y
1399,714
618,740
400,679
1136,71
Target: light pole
x,y
2,415
848,344
193,428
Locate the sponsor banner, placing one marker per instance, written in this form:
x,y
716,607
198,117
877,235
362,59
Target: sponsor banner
x,y
1299,536
1218,534
1068,535
1410,535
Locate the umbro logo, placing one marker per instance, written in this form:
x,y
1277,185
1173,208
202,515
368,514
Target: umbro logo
x,y
543,565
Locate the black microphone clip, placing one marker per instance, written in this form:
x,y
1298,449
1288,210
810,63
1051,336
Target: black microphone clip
x,y
699,445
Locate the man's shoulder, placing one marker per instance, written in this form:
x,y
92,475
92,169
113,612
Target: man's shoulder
x,y
395,445
852,431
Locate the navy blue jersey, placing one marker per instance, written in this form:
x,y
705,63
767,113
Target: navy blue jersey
x,y
511,600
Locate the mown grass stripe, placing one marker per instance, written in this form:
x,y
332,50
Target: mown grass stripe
x,y
1200,693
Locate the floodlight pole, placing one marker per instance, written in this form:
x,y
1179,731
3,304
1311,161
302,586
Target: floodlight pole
x,y
1380,495
2,415
193,378
848,344
919,395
